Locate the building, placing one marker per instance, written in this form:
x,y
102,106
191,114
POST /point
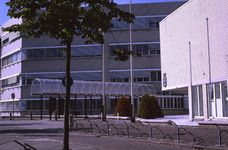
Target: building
x,y
194,56
24,59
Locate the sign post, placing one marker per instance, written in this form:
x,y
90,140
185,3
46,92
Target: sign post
x,y
13,96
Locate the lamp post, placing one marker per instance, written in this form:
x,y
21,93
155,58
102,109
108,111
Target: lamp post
x,y
132,77
103,81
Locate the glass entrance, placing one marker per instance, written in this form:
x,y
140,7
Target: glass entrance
x,y
217,100
197,100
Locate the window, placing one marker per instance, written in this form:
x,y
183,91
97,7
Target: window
x,y
5,41
113,103
153,75
12,81
159,75
154,49
143,49
28,105
11,59
139,76
154,25
139,23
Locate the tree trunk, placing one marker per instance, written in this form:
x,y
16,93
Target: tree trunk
x,y
67,99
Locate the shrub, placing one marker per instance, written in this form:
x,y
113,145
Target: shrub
x,y
123,107
149,108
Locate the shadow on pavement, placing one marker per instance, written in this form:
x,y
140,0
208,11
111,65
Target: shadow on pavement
x,y
24,131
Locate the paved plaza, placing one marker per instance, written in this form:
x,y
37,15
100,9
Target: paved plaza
x,y
113,134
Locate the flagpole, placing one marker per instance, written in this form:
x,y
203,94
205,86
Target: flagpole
x,y
132,77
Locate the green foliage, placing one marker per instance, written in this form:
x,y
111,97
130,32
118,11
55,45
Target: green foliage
x,y
65,18
123,107
149,108
123,55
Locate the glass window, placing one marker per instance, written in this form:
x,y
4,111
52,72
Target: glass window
x,y
126,80
54,53
35,53
28,105
113,103
98,103
34,105
60,53
41,53
145,49
29,54
159,75
119,79
79,104
153,76
48,53
146,79
139,79
5,41
154,25
46,105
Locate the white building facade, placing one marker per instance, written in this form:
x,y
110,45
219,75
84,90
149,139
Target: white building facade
x,y
194,56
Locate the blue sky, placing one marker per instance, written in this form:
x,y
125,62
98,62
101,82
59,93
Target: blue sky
x,y
4,8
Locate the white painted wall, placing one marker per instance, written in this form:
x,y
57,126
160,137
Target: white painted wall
x,y
189,24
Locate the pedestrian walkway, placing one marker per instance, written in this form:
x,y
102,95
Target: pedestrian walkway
x,y
51,131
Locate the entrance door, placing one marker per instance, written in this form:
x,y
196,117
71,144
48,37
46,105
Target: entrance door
x,y
197,100
217,100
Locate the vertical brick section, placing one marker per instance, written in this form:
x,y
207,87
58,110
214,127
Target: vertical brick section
x,y
189,24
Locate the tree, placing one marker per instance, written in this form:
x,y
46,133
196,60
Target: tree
x,y
64,19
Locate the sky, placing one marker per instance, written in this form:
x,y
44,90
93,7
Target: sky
x,y
4,8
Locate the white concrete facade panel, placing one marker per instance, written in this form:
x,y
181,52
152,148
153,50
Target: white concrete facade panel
x,y
198,30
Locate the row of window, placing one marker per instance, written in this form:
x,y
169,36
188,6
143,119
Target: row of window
x,y
88,51
11,59
118,76
171,102
139,23
12,81
139,76
143,49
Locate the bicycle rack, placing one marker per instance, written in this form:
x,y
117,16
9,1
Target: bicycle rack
x,y
163,134
170,122
220,133
91,127
26,146
140,133
117,132
76,125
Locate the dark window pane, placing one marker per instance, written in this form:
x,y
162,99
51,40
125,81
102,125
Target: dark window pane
x,y
139,79
28,105
54,53
47,105
41,53
159,75
48,53
34,105
29,54
153,75
60,53
79,104
146,79
145,49
35,53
